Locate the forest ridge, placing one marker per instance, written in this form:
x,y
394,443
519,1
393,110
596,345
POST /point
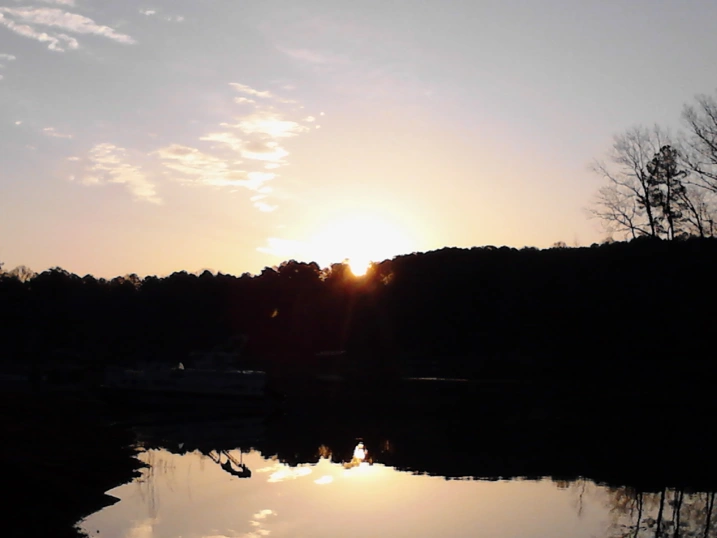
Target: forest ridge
x,y
615,309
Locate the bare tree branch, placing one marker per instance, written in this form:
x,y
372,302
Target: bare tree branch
x,y
700,152
624,205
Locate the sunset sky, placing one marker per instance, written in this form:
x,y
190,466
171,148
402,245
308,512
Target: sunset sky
x,y
165,135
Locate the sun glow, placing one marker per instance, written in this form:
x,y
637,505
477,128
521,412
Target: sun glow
x,y
360,240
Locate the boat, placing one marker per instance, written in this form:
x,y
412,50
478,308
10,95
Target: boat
x,y
162,387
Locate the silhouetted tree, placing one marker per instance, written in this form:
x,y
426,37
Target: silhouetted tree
x,y
648,190
666,193
22,273
625,204
700,154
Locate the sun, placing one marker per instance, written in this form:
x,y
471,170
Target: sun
x,y
360,240
359,268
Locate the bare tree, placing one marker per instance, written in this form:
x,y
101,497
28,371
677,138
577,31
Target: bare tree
x,y
625,203
700,212
653,188
617,209
700,152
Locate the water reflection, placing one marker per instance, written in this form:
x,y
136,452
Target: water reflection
x,y
669,512
180,495
327,499
313,477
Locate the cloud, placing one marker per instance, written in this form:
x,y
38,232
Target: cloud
x,y
25,20
228,139
7,57
170,18
248,90
262,150
59,42
241,154
107,163
268,123
312,56
197,167
54,133
259,150
69,3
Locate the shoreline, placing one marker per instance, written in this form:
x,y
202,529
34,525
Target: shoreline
x,y
62,455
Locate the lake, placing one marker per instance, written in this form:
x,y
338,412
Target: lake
x,y
315,478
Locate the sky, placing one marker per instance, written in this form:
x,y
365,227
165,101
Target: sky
x,y
156,136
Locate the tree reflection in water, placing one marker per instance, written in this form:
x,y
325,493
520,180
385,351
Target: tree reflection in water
x,y
667,513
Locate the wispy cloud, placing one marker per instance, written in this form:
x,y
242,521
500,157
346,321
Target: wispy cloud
x,y
108,163
69,3
268,123
170,18
248,90
25,21
264,94
199,168
264,150
259,150
59,42
54,133
313,56
241,154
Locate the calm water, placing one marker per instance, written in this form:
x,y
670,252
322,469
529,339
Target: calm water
x,y
192,495
306,475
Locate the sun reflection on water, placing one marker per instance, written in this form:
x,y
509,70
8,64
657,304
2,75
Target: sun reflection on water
x,y
360,452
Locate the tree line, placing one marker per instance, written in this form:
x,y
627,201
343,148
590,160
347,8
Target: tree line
x,y
660,185
638,308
